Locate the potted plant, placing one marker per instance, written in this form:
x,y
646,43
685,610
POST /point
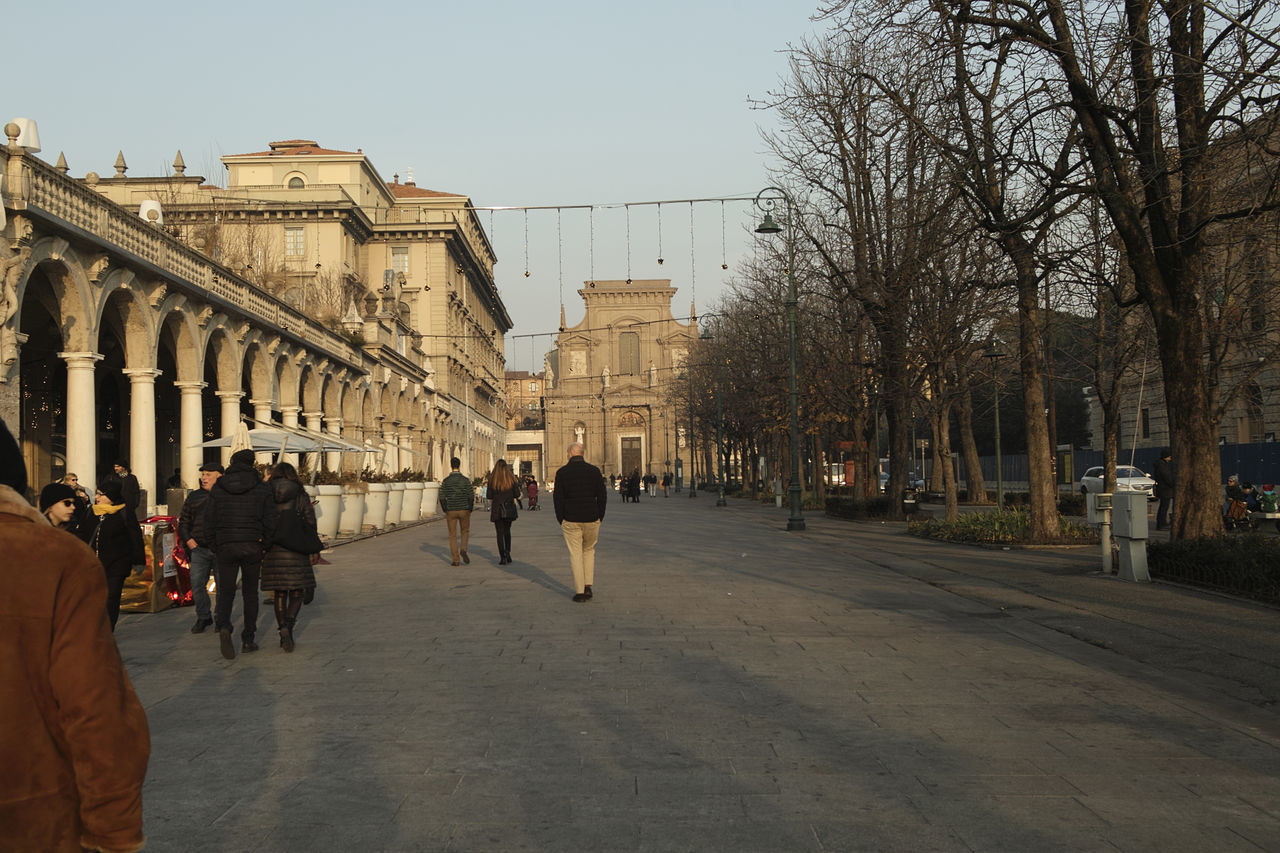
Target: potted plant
x,y
395,499
328,500
411,509
375,501
430,496
354,491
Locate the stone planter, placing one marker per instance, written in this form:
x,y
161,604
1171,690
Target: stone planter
x,y
375,506
328,509
352,516
411,509
395,501
430,500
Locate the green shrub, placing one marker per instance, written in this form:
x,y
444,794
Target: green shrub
x,y
1247,565
1070,503
1010,527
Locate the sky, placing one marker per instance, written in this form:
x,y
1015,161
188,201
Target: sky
x,y
513,104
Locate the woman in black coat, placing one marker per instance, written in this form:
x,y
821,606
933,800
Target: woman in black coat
x,y
501,492
286,574
117,540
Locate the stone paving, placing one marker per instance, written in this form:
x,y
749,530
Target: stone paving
x,y
732,687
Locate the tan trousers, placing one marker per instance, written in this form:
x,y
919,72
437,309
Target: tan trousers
x,y
580,537
456,518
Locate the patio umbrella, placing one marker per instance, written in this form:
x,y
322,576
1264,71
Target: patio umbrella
x,y
240,439
266,440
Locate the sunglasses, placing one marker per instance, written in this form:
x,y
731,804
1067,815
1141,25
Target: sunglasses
x,y
67,502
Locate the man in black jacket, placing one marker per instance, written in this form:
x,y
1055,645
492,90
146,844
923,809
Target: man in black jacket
x,y
193,533
240,519
579,499
1166,479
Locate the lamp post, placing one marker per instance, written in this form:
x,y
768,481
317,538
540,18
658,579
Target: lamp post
x,y
675,414
766,200
693,452
993,352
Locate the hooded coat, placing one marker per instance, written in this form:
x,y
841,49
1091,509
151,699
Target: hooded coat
x,y
74,740
240,508
281,568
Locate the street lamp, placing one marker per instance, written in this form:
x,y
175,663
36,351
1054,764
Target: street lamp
x,y
693,452
675,414
993,352
766,200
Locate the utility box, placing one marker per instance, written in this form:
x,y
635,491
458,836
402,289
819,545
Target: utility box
x,y
1097,507
1129,515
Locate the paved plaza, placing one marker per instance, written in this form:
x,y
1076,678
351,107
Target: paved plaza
x,y
732,687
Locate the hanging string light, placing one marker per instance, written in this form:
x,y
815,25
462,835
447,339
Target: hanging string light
x,y
591,220
693,279
724,252
628,210
560,259
659,233
526,244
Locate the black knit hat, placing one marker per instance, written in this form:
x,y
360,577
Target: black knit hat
x,y
13,471
55,492
244,457
111,487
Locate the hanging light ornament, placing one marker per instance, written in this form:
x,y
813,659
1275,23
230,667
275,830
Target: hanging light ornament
x,y
724,256
628,210
526,242
659,233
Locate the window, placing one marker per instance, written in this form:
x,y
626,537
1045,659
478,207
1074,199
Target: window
x,y
400,259
294,243
629,353
296,183
533,387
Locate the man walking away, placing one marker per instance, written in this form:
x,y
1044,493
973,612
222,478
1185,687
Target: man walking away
x,y
457,499
193,533
1165,478
579,497
241,520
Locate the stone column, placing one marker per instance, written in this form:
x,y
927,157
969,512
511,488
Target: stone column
x,y
333,459
409,458
314,422
261,417
390,449
354,434
142,432
289,418
82,417
230,417
191,432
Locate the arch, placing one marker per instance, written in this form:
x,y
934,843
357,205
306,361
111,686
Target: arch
x,y
121,302
68,287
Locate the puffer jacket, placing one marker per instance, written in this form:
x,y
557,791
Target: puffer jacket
x,y
240,508
192,520
456,493
282,568
74,736
579,493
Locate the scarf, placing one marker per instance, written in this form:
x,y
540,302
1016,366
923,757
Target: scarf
x,y
107,509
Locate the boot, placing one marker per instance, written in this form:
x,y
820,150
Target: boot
x,y
286,636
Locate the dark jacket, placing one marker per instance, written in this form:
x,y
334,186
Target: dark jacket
x,y
501,497
456,493
240,508
132,492
192,521
579,493
1165,477
118,542
282,568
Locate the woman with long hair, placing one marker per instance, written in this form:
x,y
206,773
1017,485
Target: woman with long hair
x,y
501,493
287,574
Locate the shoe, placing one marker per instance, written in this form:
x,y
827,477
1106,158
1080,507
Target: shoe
x,y
454,563
286,639
308,595
200,625
581,596
587,591
224,639
465,558
248,646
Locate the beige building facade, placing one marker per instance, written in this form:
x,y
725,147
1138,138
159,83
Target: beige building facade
x,y
143,316
615,380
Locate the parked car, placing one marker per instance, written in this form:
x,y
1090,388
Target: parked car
x,y
912,482
1128,479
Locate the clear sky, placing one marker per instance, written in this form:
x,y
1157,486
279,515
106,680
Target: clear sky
x,y
560,102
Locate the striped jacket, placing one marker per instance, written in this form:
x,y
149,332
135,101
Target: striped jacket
x,y
456,493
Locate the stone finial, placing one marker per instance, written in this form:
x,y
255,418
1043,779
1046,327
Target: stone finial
x,y
121,165
179,166
61,165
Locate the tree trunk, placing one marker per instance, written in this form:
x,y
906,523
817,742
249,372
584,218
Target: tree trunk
x,y
975,485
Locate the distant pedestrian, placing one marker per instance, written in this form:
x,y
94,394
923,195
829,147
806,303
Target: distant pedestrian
x,y
1166,478
129,487
73,734
117,540
458,500
666,484
501,493
580,498
287,574
241,517
193,533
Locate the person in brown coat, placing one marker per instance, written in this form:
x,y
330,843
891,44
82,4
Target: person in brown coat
x,y
74,741
286,574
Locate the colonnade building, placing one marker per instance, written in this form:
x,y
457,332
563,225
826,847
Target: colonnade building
x,y
616,383
143,316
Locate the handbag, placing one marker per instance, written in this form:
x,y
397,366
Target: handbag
x,y
293,533
508,511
